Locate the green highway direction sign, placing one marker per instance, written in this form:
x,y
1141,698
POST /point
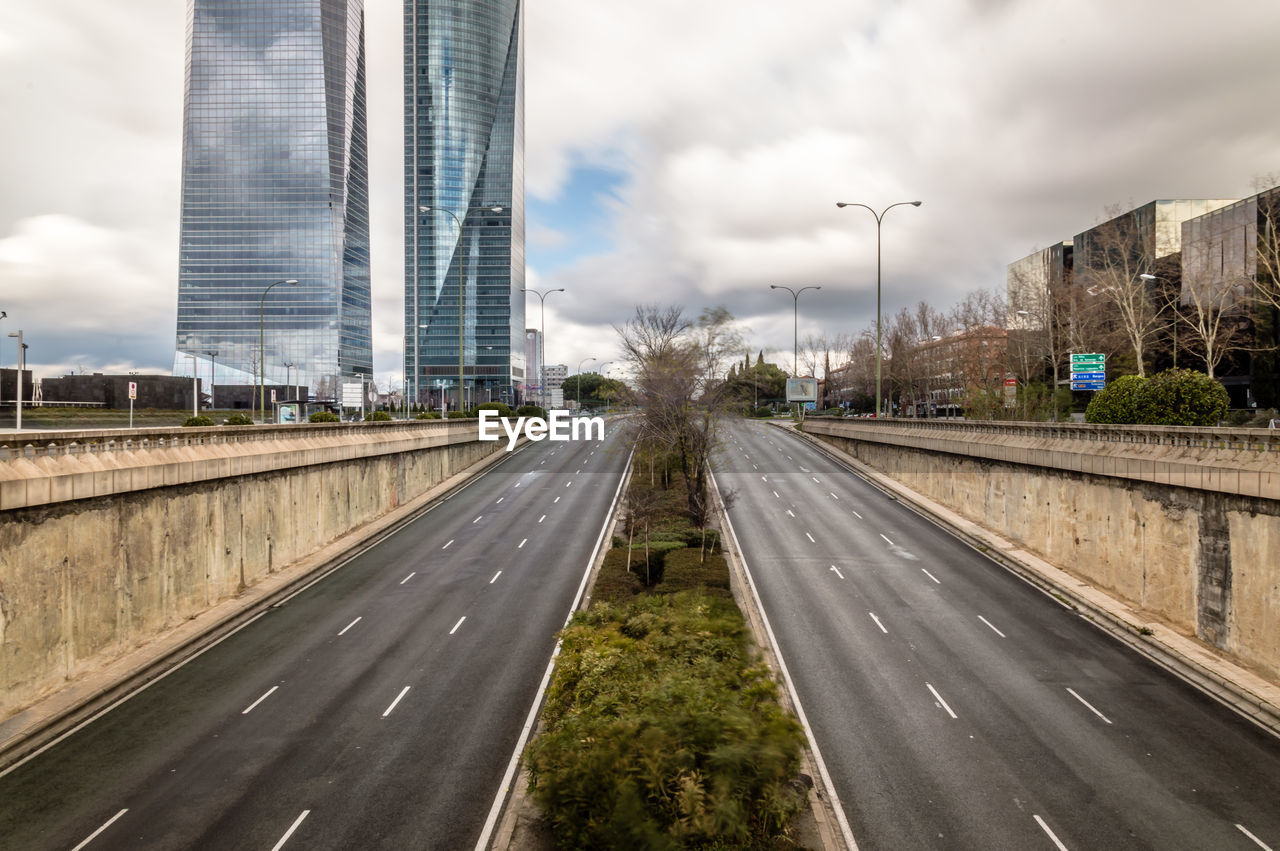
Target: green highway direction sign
x,y
1088,371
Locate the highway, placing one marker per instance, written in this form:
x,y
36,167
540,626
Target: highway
x,y
378,708
957,707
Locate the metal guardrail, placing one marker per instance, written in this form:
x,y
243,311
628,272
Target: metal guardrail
x,y
1238,439
52,443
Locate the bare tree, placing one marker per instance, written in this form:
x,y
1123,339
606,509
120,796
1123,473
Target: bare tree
x,y
1110,267
678,387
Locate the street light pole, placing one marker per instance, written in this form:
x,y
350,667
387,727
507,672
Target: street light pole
x,y
195,386
262,347
579,385
470,210
879,217
795,326
542,361
22,363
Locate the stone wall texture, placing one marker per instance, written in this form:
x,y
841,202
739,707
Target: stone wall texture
x,y
1203,559
104,546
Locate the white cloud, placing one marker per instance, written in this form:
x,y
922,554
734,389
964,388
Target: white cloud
x,y
735,125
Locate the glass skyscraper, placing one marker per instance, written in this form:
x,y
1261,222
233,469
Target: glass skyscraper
x,y
275,188
464,155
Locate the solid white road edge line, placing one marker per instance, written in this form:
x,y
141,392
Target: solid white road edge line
x,y
290,831
505,786
791,687
993,626
1046,829
259,700
111,821
1243,830
402,693
940,700
353,623
1088,704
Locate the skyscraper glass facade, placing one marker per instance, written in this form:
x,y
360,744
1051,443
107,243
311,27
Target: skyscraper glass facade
x,y
464,154
274,188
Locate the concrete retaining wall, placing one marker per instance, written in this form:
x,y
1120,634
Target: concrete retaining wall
x,y
1182,524
104,545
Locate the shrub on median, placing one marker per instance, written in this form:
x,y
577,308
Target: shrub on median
x,y
663,731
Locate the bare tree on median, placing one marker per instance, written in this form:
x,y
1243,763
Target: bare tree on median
x,y
679,385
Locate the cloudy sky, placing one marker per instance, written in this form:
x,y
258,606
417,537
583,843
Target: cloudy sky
x,y
678,151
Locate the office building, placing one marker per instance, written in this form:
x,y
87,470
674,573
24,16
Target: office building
x,y
275,188
464,157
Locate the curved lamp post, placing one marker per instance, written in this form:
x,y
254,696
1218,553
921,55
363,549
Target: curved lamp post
x,y
879,217
578,372
542,361
454,216
262,347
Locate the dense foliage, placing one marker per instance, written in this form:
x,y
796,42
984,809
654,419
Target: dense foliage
x,y
238,420
1180,397
663,731
1117,402
531,411
324,417
377,417
502,408
428,415
195,422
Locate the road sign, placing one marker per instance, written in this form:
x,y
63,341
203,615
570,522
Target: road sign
x,y
1088,385
1088,376
351,396
1087,359
133,389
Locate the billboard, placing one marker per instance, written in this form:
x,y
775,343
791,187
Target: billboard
x,y
802,389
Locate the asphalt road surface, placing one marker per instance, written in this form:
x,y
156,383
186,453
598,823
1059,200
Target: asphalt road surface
x,y
379,708
957,707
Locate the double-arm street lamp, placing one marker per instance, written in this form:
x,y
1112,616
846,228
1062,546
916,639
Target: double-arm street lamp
x,y
416,368
879,217
795,324
262,346
542,359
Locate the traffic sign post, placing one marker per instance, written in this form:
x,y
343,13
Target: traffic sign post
x,y
133,394
1088,371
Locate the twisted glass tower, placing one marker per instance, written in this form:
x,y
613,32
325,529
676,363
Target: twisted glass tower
x,y
464,155
275,188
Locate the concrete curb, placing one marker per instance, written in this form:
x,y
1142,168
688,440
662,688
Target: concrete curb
x,y
59,714
1191,660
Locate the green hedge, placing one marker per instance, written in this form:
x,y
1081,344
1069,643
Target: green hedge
x,y
324,417
428,415
531,411
238,420
685,570
503,410
377,417
1173,397
662,731
196,422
